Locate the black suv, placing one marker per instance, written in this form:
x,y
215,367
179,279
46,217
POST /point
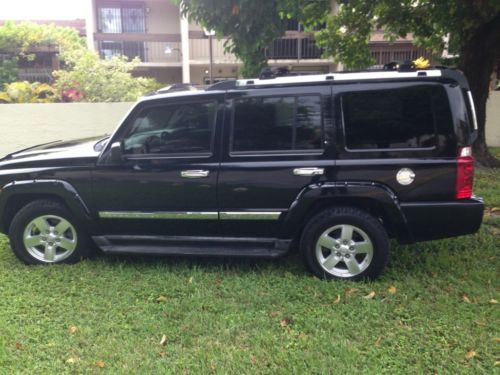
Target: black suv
x,y
334,165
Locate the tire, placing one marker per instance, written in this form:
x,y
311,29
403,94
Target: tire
x,y
345,243
45,232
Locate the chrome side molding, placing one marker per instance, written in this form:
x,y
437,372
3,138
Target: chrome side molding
x,y
194,215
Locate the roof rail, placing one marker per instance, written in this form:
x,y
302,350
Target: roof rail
x,y
348,76
229,84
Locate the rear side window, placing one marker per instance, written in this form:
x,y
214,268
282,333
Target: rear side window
x,y
402,118
277,124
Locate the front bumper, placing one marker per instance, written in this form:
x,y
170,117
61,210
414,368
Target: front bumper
x,y
434,220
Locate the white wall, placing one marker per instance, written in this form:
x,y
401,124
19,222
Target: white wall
x,y
24,125
493,119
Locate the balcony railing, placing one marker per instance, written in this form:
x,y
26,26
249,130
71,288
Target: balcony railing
x,y
199,50
293,49
146,51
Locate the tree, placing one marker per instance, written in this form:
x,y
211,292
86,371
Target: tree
x,y
250,26
19,38
474,26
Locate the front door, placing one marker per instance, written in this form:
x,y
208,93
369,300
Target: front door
x,y
166,183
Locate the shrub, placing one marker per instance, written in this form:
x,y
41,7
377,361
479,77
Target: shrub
x,y
97,80
8,71
26,92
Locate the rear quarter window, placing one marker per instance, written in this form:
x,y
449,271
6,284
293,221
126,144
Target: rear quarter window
x,y
395,118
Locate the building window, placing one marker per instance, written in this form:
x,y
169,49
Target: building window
x,y
116,20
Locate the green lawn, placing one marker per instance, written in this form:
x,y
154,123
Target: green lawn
x,y
434,311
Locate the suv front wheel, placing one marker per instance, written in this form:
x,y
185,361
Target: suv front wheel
x,y
345,243
45,232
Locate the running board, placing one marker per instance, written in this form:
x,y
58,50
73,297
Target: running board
x,y
193,246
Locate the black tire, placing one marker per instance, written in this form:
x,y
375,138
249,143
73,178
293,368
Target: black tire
x,y
67,247
368,247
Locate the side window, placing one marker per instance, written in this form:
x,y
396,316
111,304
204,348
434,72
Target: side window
x,y
277,124
172,128
390,119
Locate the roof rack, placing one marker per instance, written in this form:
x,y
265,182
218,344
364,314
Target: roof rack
x,y
435,73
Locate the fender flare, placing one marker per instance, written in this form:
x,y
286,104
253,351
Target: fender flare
x,y
60,188
345,193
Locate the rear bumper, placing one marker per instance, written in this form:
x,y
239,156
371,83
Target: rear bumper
x,y
433,220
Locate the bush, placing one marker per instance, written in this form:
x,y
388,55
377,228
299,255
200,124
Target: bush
x,y
26,92
89,78
8,71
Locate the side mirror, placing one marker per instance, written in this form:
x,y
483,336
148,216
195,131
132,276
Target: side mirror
x,y
116,152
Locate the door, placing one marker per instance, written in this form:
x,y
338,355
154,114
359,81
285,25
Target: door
x,y
166,182
277,142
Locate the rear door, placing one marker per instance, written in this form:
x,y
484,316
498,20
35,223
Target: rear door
x,y
276,142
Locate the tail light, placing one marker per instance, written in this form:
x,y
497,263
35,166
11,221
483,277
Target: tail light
x,y
465,173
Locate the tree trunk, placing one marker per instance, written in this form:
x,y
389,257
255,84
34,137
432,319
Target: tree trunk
x,y
478,59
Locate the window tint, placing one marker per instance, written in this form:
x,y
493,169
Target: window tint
x,y
179,128
277,123
394,118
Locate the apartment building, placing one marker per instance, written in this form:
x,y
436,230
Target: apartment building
x,y
173,50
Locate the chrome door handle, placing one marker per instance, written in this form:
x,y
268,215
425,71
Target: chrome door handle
x,y
308,171
197,173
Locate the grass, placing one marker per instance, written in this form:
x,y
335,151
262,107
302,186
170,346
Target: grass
x,y
432,313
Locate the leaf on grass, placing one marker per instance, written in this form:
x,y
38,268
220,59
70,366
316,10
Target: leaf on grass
x,y
466,299
163,340
19,346
73,329
161,299
350,291
470,354
497,363
481,323
286,322
497,339
370,295
302,335
100,364
162,354
72,360
377,343
190,281
337,300
254,360
392,289
493,301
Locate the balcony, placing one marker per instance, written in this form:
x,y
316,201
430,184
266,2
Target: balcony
x,y
293,49
199,52
151,51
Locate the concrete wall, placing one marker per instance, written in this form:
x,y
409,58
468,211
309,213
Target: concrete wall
x,y
493,119
24,125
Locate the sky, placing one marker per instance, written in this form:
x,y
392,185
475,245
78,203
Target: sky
x,y
42,9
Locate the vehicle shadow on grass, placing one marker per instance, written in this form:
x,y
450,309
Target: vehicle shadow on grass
x,y
418,261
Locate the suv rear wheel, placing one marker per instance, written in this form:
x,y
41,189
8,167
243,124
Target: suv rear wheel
x,y
45,232
345,243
